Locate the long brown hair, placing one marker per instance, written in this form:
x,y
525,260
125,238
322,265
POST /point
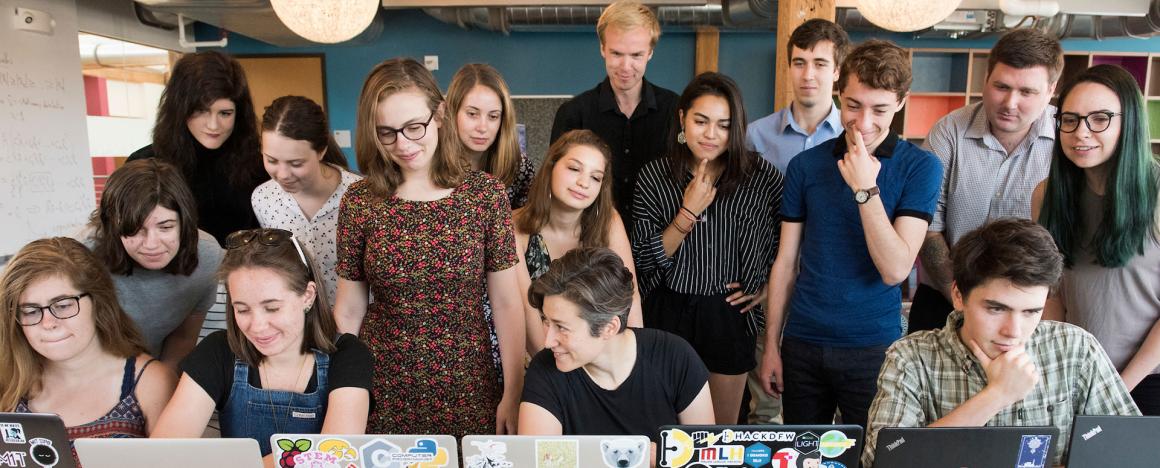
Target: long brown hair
x,y
131,194
20,372
595,219
740,162
502,159
320,330
300,118
197,80
387,78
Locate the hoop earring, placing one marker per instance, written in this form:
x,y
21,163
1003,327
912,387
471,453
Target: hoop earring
x,y
681,137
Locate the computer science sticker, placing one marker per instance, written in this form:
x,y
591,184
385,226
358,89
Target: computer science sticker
x,y
1033,451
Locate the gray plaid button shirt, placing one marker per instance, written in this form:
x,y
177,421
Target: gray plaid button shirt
x,y
928,374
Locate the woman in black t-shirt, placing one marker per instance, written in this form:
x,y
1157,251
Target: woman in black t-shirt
x,y
280,367
596,376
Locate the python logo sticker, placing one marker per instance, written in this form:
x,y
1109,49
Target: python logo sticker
x,y
834,444
677,448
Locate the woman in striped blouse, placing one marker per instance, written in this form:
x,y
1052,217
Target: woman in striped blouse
x,y
705,236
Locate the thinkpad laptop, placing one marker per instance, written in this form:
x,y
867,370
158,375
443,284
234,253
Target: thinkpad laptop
x,y
1112,441
966,447
824,446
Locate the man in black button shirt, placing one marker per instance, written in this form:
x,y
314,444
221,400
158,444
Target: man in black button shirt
x,y
632,115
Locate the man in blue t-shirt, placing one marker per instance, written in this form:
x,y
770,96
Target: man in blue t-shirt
x,y
855,210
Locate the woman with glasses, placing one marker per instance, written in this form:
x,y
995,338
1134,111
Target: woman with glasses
x,y
280,367
425,237
308,176
570,207
69,349
206,127
145,232
1100,204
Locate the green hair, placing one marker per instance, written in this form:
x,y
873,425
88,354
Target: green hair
x,y
1129,207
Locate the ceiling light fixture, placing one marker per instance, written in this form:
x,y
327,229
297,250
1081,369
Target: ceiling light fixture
x,y
326,21
906,15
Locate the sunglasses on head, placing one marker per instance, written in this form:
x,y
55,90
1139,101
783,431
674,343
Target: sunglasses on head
x,y
267,237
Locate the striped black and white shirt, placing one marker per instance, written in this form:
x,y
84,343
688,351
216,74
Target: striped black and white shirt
x,y
734,241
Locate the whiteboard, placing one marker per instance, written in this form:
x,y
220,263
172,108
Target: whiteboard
x,y
46,174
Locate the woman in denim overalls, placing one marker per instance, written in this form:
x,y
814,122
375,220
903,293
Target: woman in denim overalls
x,y
280,367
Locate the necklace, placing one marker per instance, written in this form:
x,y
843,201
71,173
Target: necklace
x,y
266,387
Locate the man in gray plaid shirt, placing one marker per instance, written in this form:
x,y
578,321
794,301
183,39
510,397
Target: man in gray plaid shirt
x,y
995,363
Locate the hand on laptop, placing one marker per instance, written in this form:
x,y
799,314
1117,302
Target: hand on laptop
x,y
1011,373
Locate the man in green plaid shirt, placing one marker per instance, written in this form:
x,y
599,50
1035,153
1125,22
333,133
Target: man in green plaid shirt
x,y
995,363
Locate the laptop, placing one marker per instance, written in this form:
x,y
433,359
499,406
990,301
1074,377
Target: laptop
x,y
169,453
786,446
967,447
587,451
34,440
1109,441
364,451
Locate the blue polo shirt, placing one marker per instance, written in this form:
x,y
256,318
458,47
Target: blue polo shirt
x,y
778,137
839,298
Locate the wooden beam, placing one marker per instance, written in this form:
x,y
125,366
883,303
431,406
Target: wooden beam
x,y
790,15
125,74
708,46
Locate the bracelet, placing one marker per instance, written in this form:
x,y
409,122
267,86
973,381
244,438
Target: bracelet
x,y
677,226
687,213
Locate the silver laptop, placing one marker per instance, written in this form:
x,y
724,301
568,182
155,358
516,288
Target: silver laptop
x,y
169,453
364,451
34,440
492,451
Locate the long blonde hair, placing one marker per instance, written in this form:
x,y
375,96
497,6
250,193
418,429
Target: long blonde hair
x,y
595,219
502,159
387,78
44,258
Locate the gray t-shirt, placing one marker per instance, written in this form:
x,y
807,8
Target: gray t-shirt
x,y
158,302
1117,305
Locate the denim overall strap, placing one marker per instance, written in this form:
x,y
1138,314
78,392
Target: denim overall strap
x,y
257,413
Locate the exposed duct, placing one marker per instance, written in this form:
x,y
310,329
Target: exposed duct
x,y
731,14
1103,27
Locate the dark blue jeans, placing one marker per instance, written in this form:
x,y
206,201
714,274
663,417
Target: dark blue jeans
x,y
822,379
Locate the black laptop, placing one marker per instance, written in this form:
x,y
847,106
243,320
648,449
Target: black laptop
x,y
832,446
34,440
966,447
1112,441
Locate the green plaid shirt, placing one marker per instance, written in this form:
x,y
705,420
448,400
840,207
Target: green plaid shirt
x,y
928,374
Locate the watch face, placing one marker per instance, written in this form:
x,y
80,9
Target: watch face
x,y
861,196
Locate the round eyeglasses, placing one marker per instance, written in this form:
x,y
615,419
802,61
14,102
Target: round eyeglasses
x,y
1097,121
63,308
413,131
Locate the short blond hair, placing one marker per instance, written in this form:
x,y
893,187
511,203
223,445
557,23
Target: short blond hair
x,y
626,15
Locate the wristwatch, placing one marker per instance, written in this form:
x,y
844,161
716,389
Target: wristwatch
x,y
863,196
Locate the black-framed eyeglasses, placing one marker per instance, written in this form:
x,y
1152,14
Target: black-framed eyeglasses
x,y
413,132
1097,121
268,237
63,308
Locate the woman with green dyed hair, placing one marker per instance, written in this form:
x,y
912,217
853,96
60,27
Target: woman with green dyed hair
x,y
1099,203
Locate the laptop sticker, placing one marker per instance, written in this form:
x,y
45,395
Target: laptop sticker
x,y
834,443
492,454
557,454
806,442
13,433
425,454
377,454
758,454
833,464
290,449
785,458
678,448
810,460
624,453
1033,451
713,453
12,458
341,449
42,452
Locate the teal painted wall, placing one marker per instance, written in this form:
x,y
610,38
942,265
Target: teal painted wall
x,y
540,63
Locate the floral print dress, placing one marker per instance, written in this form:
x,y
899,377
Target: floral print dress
x,y
425,264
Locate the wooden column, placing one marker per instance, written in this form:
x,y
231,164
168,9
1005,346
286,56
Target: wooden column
x,y
708,44
790,15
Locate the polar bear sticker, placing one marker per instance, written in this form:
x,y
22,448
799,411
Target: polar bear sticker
x,y
623,453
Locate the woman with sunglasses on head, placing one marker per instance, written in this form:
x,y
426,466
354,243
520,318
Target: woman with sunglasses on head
x,y
69,349
280,366
206,127
308,176
707,225
145,232
570,206
426,236
1100,204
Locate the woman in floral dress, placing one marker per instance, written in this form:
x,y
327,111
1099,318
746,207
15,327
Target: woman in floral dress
x,y
424,236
